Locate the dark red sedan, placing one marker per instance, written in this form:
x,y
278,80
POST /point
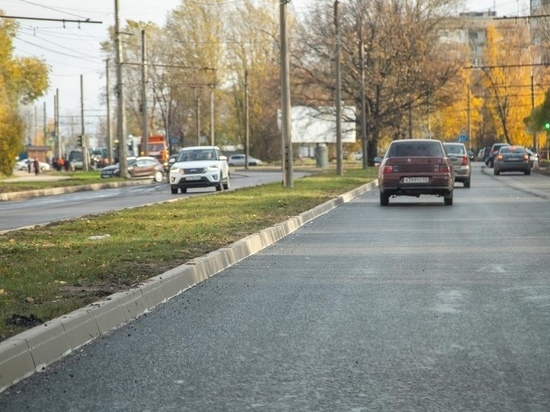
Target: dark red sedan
x,y
416,167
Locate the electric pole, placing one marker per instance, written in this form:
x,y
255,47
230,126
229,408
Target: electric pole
x,y
339,166
144,133
85,152
246,121
285,100
108,102
121,112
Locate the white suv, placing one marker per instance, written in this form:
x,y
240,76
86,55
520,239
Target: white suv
x,y
199,166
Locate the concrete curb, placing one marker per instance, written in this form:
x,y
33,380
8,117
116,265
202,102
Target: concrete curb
x,y
33,350
29,194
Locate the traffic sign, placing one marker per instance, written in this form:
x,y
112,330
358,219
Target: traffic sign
x,y
463,138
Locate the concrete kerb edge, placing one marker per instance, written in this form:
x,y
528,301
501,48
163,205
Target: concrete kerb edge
x,y
29,194
33,350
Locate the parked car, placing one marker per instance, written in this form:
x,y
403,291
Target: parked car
x,y
24,165
239,160
533,158
512,159
415,167
199,166
138,167
490,161
484,154
460,159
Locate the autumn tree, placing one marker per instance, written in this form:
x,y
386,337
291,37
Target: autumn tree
x,y
506,70
403,64
254,62
22,81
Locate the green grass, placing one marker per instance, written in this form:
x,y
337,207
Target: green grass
x,y
51,270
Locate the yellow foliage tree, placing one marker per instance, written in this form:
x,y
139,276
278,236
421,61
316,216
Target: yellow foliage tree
x,y
22,80
506,72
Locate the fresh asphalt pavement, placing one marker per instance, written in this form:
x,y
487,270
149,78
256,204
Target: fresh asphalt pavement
x,y
412,307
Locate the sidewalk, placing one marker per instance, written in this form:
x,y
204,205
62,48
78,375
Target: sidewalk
x,y
23,176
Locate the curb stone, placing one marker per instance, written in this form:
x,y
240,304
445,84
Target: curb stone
x,y
33,350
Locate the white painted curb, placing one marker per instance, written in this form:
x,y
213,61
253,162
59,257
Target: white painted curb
x,y
33,350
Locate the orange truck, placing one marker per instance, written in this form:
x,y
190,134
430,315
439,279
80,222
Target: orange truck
x,y
157,147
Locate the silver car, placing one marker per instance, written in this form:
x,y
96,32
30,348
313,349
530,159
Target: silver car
x,y
460,159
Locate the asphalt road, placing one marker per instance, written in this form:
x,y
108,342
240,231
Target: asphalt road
x,y
413,307
39,210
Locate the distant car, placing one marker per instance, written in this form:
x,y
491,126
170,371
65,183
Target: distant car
x,y
138,167
490,161
24,165
460,159
171,160
512,159
199,166
533,158
415,167
239,160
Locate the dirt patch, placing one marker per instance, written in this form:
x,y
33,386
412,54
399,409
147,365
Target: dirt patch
x,y
24,321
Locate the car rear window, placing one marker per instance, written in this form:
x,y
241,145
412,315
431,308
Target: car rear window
x,y
511,149
411,149
455,149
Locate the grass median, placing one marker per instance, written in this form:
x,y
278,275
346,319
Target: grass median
x,y
51,270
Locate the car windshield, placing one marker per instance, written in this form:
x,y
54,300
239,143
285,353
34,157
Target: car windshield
x,y
407,149
198,154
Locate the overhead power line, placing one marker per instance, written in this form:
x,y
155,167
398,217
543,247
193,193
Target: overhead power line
x,y
58,20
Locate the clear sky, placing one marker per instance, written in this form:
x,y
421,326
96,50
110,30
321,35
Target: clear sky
x,y
73,50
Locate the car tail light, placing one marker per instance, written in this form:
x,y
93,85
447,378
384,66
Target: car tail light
x,y
443,168
464,160
390,169
499,157
526,157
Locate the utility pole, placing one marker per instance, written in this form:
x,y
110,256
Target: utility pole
x,y
121,112
363,98
198,119
285,100
85,152
246,121
339,166
212,112
56,124
469,120
108,102
144,133
45,125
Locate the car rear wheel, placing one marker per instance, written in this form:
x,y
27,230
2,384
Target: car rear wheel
x,y
467,183
159,176
496,172
183,190
448,200
384,199
528,172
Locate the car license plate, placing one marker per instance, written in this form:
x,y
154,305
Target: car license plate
x,y
193,178
416,180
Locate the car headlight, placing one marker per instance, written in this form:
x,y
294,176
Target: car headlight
x,y
213,168
177,170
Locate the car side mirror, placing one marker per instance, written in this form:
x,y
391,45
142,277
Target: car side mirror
x,y
377,160
222,157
